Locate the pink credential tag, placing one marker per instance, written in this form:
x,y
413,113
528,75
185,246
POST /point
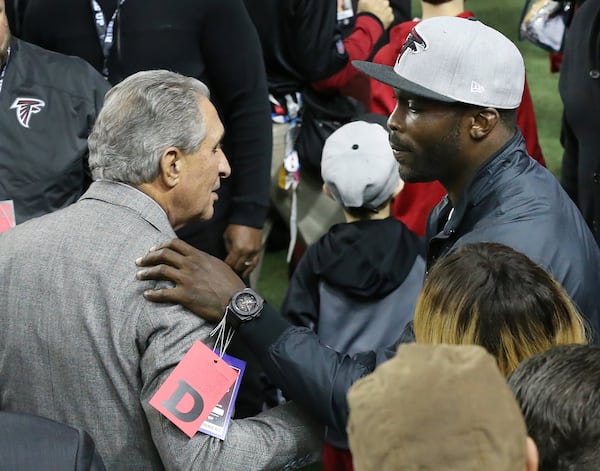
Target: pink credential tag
x,y
194,388
7,215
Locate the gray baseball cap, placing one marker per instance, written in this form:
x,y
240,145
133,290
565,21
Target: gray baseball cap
x,y
358,165
454,59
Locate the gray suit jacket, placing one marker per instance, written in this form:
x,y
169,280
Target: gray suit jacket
x,y
81,345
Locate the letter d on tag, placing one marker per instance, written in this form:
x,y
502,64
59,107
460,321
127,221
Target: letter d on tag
x,y
193,388
171,403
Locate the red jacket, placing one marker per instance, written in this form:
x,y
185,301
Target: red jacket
x,y
413,204
358,46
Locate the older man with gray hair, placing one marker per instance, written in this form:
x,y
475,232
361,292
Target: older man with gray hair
x,y
79,343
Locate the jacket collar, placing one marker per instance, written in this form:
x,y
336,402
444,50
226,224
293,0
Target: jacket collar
x,y
481,185
14,45
126,196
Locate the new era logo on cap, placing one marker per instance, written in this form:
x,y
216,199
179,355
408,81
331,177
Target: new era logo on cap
x,y
454,59
476,87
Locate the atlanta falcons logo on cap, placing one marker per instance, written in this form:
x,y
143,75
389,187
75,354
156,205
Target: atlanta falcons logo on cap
x,y
413,41
25,108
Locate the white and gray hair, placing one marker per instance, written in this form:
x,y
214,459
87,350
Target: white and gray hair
x,y
141,117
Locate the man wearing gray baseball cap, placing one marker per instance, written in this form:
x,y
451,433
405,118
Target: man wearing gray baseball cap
x,y
457,84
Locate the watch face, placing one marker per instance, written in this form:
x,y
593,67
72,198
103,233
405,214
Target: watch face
x,y
245,305
246,302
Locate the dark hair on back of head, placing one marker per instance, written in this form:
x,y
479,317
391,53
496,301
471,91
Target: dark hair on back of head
x,y
365,213
559,395
509,118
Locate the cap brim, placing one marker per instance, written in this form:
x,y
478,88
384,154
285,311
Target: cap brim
x,y
386,74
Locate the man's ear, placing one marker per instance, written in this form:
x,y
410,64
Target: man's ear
x,y
483,121
532,457
171,166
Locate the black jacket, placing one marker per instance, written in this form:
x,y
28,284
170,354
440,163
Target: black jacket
x,y
315,376
211,40
301,41
43,147
298,39
515,201
29,443
512,200
357,286
579,88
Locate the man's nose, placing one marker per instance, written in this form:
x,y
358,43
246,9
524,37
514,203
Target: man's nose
x,y
395,121
224,167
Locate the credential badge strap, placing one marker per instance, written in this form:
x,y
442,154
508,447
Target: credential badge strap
x,y
105,31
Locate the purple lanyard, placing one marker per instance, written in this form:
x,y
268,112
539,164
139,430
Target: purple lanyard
x,y
105,31
3,69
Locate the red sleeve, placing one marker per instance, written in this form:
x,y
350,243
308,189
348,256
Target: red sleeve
x,y
358,45
382,95
527,124
556,59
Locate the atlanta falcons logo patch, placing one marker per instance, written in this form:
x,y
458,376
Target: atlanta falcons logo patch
x,y
414,42
25,108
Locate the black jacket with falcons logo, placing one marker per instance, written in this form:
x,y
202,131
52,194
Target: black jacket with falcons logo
x,y
48,105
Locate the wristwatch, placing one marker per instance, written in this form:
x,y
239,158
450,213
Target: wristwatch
x,y
244,306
